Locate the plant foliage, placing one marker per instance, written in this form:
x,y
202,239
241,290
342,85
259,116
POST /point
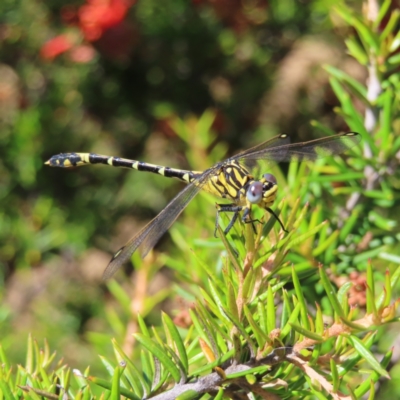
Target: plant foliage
x,y
263,314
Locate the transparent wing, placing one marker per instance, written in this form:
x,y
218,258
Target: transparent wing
x,y
276,141
147,238
277,149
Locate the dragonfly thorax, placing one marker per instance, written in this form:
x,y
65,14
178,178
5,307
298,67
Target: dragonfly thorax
x,y
234,182
229,181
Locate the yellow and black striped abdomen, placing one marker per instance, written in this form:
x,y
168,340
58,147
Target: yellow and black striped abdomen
x,y
68,160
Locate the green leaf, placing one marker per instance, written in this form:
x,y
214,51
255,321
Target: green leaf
x,y
394,60
133,375
367,36
232,306
354,357
108,365
350,222
242,330
371,308
249,238
391,25
271,312
143,326
211,304
368,383
357,51
6,391
316,391
115,388
319,320
307,333
324,244
368,356
395,43
210,328
45,378
198,325
286,309
379,194
330,292
254,276
220,394
302,238
359,89
176,337
390,282
260,336
213,327
217,298
29,363
380,221
353,118
82,379
384,7
209,270
394,258
293,214
299,293
366,255
4,359
160,354
107,385
262,316
250,371
386,121
342,292
188,395
292,319
386,295
209,366
229,249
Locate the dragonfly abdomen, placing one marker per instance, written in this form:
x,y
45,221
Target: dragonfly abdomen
x,y
68,160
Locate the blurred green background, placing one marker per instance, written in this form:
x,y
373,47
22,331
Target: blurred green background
x,y
134,79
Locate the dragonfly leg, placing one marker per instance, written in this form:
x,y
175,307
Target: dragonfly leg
x,y
277,218
227,208
247,220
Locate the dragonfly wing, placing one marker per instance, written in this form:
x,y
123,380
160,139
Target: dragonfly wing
x,y
311,150
276,141
147,238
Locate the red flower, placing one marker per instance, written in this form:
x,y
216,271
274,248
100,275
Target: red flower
x,y
56,46
97,16
100,21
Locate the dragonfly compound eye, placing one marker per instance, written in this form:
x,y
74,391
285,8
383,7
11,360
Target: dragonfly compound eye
x,y
255,192
270,178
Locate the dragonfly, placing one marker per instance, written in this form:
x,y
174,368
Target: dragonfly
x,y
230,179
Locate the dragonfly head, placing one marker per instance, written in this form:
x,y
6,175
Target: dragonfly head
x,y
259,190
269,179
